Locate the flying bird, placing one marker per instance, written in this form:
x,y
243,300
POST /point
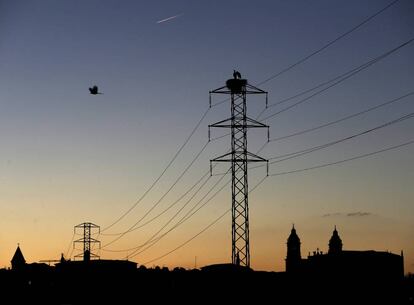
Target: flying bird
x,y
94,90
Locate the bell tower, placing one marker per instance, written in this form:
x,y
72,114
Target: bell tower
x,y
335,243
293,257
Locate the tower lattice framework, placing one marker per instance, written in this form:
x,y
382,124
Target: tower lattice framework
x,y
87,240
239,157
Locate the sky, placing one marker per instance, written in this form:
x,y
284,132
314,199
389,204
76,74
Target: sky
x,y
68,157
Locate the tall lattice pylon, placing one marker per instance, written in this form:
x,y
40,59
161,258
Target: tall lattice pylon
x,y
87,240
239,156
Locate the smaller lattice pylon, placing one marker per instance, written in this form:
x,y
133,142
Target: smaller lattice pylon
x,y
87,240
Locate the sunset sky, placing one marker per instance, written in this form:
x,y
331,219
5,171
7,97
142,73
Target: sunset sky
x,y
69,157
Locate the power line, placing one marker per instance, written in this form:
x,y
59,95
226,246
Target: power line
x,y
339,79
189,240
328,44
264,81
207,173
69,246
306,151
314,88
71,252
283,71
188,215
330,123
259,183
344,160
278,174
151,243
200,232
372,108
296,154
155,182
370,63
184,218
288,156
162,173
198,124
187,202
130,229
343,118
170,206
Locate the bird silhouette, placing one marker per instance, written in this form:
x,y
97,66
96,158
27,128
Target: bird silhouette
x,y
94,90
236,74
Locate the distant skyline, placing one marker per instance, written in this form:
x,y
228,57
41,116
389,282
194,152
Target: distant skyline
x,y
69,157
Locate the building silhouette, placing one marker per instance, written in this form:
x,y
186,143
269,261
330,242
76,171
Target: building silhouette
x,y
375,266
18,261
344,276
293,257
336,276
335,243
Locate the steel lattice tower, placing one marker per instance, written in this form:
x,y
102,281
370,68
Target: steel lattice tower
x,y
87,240
239,156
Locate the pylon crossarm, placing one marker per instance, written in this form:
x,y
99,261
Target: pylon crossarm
x,y
240,125
87,240
256,157
220,158
254,90
221,123
238,160
87,224
221,90
254,123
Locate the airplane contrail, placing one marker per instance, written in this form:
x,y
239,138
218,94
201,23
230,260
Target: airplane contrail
x,y
169,18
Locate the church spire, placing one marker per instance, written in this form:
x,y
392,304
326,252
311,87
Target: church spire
x,y
18,260
293,258
335,243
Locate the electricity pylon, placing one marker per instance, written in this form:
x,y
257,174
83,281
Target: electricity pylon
x,y
87,240
239,157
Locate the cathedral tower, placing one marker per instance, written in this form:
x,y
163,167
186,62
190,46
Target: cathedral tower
x,y
293,258
335,243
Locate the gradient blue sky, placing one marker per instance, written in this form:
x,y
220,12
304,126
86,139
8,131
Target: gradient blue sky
x,y
67,157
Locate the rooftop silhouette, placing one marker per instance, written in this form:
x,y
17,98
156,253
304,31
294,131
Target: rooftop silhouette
x,y
18,260
366,277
